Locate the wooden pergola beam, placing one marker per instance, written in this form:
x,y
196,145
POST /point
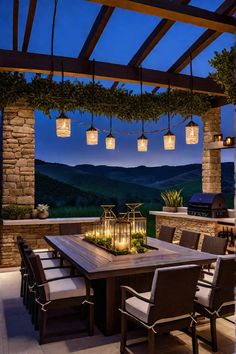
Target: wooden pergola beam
x,y
29,24
152,40
40,63
96,31
227,8
176,12
15,24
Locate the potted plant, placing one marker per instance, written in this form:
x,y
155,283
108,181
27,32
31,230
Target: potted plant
x,y
42,211
172,199
14,212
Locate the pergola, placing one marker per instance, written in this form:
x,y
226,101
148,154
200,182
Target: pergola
x,y
18,142
216,23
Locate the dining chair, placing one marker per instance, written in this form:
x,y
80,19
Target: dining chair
x,y
214,245
56,294
50,274
189,239
168,306
166,233
217,299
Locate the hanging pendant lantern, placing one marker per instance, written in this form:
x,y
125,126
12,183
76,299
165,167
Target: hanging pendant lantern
x,y
110,142
92,132
169,137
63,126
110,139
63,123
142,143
92,136
192,133
192,128
169,141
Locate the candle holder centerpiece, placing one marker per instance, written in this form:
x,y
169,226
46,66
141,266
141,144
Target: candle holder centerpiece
x,y
125,234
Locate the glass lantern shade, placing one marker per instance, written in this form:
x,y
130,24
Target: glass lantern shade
x,y
92,136
63,126
142,143
137,220
169,141
108,220
192,133
110,142
122,235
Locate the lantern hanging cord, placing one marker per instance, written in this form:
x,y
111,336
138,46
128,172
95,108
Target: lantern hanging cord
x,y
191,84
110,124
62,82
52,37
93,91
169,105
141,96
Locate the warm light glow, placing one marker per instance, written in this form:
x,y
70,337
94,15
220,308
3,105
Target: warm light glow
x,y
92,136
142,143
110,142
192,133
63,125
169,141
229,141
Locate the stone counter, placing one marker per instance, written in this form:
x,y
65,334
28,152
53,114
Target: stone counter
x,y
33,231
182,221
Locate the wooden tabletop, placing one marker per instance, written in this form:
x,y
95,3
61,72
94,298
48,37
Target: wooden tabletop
x,y
97,263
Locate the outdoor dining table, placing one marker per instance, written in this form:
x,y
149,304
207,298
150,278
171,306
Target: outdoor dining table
x,y
108,272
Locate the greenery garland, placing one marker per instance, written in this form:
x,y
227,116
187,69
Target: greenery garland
x,y
224,64
46,95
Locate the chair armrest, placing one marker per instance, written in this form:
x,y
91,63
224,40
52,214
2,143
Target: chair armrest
x,y
126,289
208,273
207,285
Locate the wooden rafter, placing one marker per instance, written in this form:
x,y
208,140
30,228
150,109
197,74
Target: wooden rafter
x,y
15,24
176,12
29,24
227,8
96,31
39,63
155,36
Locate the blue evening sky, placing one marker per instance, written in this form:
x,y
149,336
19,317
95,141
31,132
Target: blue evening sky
x,y
122,37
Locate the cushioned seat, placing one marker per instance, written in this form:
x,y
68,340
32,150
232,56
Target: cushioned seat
x,y
66,288
57,273
44,255
38,250
137,307
51,263
203,296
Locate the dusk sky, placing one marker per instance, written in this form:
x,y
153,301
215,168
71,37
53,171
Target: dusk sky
x,y
121,38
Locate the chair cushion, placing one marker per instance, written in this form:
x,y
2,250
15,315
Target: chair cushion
x,y
203,296
137,307
38,250
56,273
44,255
66,288
51,263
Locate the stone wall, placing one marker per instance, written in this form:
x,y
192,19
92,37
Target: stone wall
x,y
211,159
32,234
18,155
205,227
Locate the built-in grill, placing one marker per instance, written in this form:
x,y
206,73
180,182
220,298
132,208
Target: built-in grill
x,y
211,205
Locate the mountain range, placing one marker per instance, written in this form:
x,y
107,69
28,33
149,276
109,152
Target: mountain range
x,y
83,185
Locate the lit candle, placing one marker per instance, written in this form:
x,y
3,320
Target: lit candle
x,y
122,244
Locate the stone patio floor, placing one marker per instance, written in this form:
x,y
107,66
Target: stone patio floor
x,y
17,335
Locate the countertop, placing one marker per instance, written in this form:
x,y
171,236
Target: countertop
x,y
184,215
51,221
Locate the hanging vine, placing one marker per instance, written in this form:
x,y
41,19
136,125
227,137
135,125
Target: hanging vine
x,y
46,95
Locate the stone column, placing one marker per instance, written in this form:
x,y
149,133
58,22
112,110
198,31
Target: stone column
x,y
211,160
18,155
